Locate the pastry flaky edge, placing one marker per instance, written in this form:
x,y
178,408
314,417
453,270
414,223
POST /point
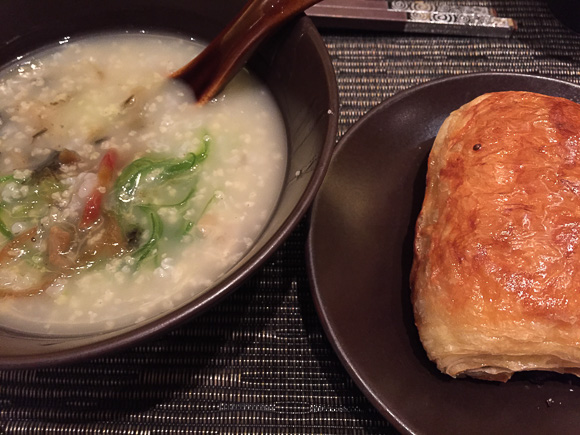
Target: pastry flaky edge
x,y
496,273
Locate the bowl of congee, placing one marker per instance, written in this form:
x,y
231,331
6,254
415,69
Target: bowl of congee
x,y
125,207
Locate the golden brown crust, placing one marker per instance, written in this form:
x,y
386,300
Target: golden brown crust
x,y
496,276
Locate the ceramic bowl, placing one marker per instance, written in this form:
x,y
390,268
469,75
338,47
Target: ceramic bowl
x,y
307,97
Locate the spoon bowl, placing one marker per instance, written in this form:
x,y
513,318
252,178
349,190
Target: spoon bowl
x,y
216,65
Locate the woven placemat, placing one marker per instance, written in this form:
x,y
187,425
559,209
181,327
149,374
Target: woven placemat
x,y
373,66
259,363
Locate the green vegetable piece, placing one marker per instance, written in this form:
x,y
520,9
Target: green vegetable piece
x,y
4,230
3,227
6,178
30,207
142,184
174,168
128,182
149,247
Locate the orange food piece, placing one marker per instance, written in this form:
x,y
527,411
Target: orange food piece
x,y
92,210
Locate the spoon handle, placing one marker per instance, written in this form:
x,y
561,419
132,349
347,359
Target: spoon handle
x,y
213,68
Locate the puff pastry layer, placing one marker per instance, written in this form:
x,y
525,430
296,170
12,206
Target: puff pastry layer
x,y
496,273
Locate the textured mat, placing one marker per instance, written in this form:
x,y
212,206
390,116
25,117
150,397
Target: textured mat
x,y
259,363
373,66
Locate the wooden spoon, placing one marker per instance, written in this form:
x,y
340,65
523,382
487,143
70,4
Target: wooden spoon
x,y
215,66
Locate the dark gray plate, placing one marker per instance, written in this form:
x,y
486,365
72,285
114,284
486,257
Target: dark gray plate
x,y
360,254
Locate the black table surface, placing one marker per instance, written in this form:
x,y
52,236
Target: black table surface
x,y
260,363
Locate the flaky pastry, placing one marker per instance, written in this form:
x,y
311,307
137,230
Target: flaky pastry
x,y
496,272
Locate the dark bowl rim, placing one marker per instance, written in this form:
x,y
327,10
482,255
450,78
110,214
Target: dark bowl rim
x,y
210,298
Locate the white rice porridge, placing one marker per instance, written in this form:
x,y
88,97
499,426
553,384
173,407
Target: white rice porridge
x,y
119,197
